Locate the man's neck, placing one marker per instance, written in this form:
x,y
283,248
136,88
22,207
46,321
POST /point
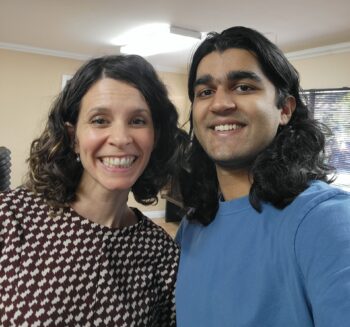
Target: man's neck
x,y
233,183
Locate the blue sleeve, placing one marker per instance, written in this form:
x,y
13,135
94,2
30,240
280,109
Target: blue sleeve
x,y
322,247
178,236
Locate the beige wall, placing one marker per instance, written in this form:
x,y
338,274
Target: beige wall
x,y
28,85
328,71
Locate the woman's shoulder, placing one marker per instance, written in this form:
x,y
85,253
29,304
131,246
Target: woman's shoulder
x,y
18,197
155,232
14,204
13,207
12,198
17,193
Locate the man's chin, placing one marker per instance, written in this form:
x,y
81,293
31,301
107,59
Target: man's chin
x,y
234,163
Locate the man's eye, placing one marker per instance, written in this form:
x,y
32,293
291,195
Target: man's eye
x,y
204,93
244,88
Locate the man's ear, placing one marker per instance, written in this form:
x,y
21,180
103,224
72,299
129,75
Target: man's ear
x,y
287,110
71,132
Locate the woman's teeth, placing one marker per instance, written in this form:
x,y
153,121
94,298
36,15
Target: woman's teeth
x,y
113,162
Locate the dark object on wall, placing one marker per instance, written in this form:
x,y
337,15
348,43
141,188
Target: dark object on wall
x,y
5,169
174,210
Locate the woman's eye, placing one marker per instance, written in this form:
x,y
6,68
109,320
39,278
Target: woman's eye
x,y
138,121
99,121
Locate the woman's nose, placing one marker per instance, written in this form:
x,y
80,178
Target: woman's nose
x,y
120,135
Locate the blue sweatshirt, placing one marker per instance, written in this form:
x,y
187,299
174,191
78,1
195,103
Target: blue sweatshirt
x,y
276,268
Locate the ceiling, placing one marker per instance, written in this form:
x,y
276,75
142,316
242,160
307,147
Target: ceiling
x,y
84,28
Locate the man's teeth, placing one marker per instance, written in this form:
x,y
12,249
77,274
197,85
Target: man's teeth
x,y
124,162
227,127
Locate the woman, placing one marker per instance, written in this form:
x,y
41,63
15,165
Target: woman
x,y
72,253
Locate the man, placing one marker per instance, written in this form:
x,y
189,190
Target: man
x,y
267,240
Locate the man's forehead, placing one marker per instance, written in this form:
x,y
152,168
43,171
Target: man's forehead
x,y
220,64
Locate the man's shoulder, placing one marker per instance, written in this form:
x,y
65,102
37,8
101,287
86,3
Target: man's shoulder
x,y
320,201
320,192
324,223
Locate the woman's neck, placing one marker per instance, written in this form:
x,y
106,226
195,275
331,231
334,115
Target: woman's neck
x,y
107,208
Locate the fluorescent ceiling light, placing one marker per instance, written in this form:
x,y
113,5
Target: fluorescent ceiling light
x,y
153,39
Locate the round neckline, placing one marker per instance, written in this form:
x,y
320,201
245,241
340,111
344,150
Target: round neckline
x,y
140,217
234,205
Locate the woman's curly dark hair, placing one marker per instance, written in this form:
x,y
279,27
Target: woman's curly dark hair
x,y
285,168
53,169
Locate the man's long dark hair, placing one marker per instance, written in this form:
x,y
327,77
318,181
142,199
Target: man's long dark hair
x,y
285,168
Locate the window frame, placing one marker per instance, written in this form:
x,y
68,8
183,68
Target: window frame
x,y
310,98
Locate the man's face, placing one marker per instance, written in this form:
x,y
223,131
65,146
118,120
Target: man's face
x,y
234,109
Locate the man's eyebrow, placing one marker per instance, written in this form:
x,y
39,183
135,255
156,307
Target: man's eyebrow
x,y
243,74
205,79
231,76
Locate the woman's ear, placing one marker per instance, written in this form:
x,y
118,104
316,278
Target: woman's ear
x,y
287,110
71,132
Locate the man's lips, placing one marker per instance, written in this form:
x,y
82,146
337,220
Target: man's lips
x,y
224,125
227,127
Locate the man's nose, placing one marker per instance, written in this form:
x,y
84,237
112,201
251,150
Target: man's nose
x,y
223,100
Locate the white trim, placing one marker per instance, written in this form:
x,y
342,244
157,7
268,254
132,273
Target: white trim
x,y
167,69
71,55
155,214
47,52
320,51
296,55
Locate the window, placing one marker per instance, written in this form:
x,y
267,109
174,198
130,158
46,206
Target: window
x,y
332,107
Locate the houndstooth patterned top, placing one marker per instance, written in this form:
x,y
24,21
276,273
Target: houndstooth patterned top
x,y
64,270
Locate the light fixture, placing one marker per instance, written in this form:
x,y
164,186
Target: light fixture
x,y
157,38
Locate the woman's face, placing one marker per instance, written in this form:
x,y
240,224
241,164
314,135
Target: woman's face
x,y
114,135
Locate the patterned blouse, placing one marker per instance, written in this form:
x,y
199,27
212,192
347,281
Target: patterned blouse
x,y
64,270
